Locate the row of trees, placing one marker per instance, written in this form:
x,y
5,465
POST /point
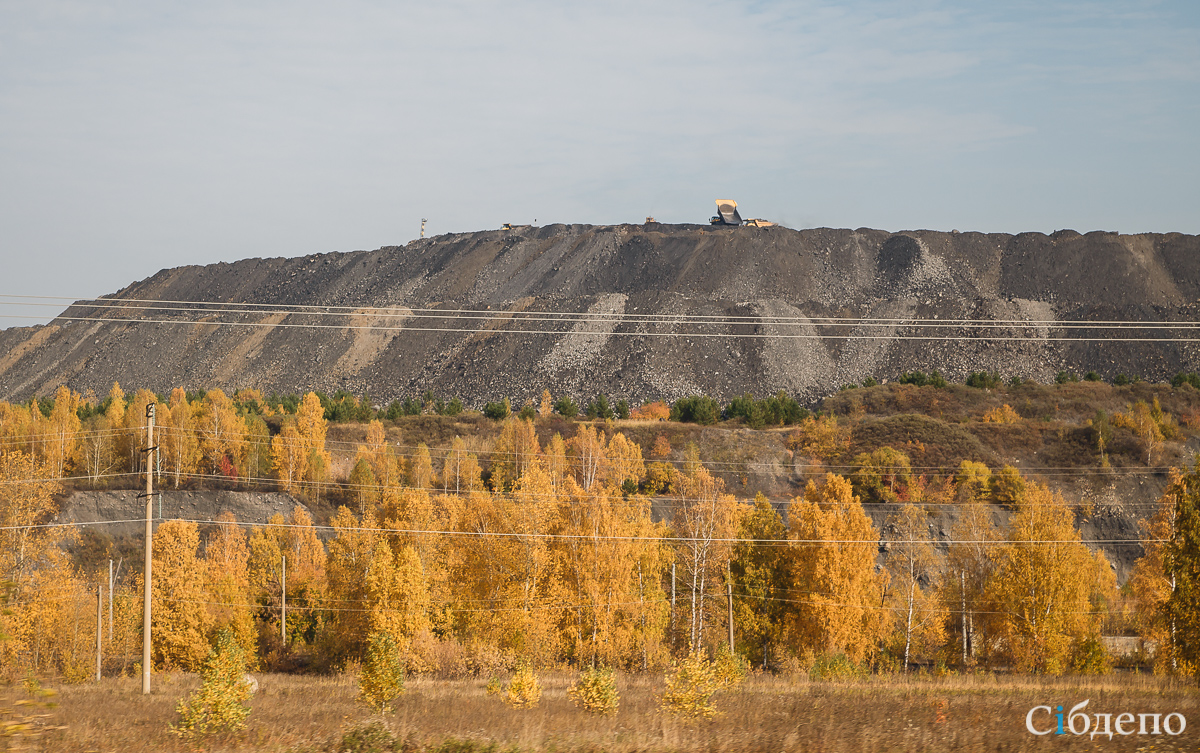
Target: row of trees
x,y
209,435
562,562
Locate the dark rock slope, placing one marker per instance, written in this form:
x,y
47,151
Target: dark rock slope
x,y
657,272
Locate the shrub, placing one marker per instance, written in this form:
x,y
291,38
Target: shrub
x,y
1121,380
382,679
881,475
869,382
527,413
656,411
599,408
1091,376
916,378
1091,657
623,409
220,703
691,684
937,380
498,411
983,380
697,409
836,667
1065,377
372,737
494,686
1192,379
566,407
524,691
596,691
730,670
1002,415
778,410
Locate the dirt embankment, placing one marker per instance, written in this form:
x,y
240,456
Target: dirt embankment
x,y
635,282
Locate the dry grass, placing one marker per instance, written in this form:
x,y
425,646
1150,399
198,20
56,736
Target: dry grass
x,y
767,713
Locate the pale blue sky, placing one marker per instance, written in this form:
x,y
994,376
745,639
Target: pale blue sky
x,y
139,135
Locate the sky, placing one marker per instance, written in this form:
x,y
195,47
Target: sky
x,y
136,135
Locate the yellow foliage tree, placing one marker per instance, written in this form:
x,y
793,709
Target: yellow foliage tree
x,y
703,524
62,431
226,559
1050,591
312,428
1152,586
289,457
181,621
832,571
179,440
222,431
516,449
912,560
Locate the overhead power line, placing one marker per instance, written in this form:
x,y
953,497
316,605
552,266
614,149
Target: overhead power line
x,y
505,322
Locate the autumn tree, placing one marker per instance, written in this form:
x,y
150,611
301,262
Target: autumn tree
x,y
377,583
914,565
1181,566
703,524
226,560
515,450
363,489
1050,591
95,453
46,620
295,539
256,458
181,624
970,565
387,467
832,573
881,475
511,589
62,431
759,571
312,427
625,467
823,437
289,457
972,482
1152,584
420,471
588,457
179,440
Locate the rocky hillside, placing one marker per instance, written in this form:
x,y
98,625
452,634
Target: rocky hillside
x,y
635,281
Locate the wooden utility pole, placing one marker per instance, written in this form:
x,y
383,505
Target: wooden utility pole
x,y
110,601
149,549
672,605
729,588
283,605
99,627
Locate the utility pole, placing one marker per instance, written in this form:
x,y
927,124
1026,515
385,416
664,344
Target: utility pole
x,y
110,601
672,605
149,549
99,627
729,588
283,606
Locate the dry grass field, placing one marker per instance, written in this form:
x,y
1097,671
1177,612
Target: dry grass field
x,y
766,713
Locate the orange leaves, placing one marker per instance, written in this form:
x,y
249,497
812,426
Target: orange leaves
x,y
1001,415
833,572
